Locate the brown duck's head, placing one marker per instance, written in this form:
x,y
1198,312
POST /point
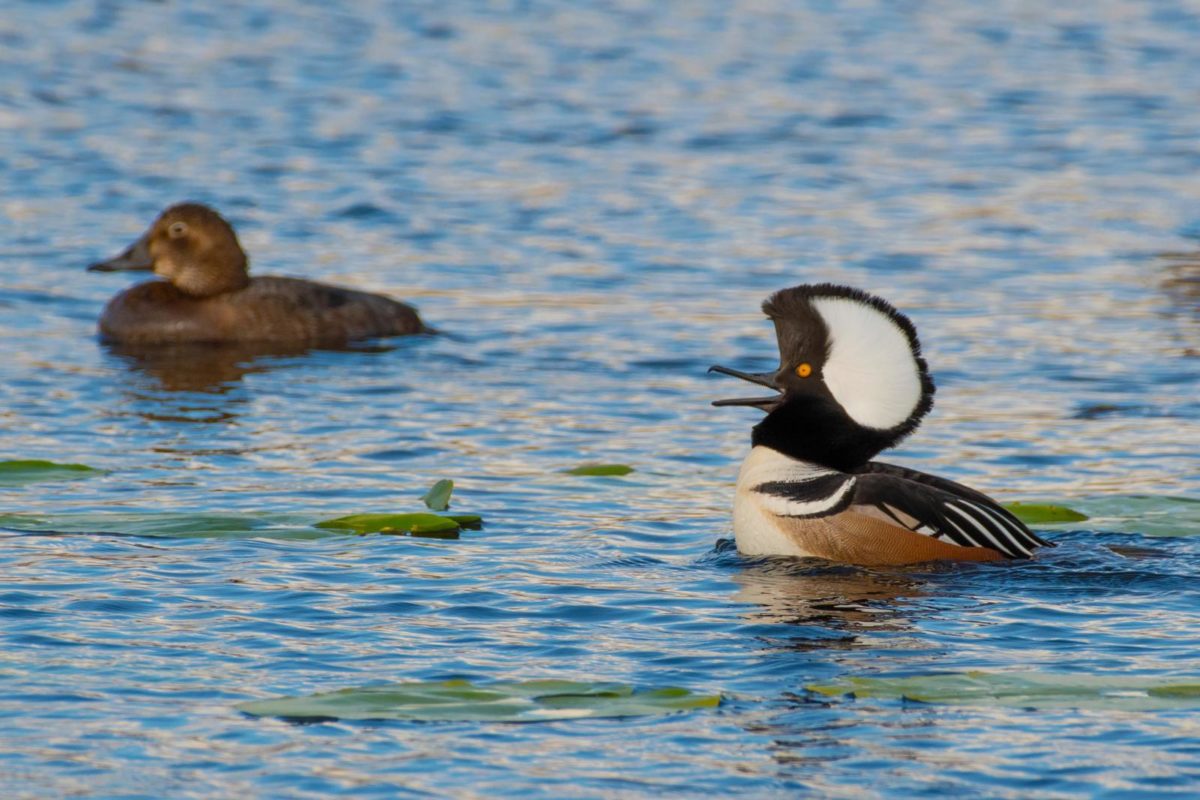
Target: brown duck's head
x,y
191,246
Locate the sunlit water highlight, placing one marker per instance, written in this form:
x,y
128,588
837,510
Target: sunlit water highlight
x,y
592,201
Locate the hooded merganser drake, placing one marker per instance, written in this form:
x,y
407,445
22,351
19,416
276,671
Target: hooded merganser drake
x,y
208,295
851,383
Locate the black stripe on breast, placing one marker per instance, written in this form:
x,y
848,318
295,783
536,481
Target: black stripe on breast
x,y
818,488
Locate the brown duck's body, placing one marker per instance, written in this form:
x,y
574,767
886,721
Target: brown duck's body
x,y
269,309
208,296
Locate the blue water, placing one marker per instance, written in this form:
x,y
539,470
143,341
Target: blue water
x,y
592,200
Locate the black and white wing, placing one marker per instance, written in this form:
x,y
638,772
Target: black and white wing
x,y
943,509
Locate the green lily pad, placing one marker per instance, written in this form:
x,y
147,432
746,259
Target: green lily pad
x,y
1179,690
438,496
392,523
1024,690
34,470
601,469
502,701
472,521
1044,513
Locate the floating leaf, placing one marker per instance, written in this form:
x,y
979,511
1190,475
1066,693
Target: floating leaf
x,y
438,496
172,525
1180,690
1044,513
503,701
243,526
601,469
290,525
33,470
1024,689
1149,515
392,523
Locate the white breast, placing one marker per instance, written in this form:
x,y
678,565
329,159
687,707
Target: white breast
x,y
755,514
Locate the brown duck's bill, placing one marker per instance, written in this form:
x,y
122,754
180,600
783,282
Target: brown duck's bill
x,y
761,378
134,257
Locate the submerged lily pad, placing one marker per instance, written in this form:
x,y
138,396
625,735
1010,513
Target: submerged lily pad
x,y
601,469
1149,515
503,701
1044,513
34,470
1024,689
246,525
166,525
438,496
416,524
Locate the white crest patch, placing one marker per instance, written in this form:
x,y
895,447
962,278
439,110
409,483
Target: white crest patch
x,y
871,369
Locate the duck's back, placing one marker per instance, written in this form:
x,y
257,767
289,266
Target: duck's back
x,y
270,309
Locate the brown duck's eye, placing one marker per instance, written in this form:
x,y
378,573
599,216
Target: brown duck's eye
x,y
804,370
177,229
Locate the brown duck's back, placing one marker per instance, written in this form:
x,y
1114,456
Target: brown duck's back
x,y
270,309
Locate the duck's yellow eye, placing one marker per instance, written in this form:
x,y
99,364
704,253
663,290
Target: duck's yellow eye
x,y
804,370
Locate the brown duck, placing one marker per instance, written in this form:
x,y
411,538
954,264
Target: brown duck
x,y
208,295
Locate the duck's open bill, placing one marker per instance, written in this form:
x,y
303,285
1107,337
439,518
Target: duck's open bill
x,y
761,378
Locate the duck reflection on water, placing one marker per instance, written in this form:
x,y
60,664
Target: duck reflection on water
x,y
204,383
216,368
1180,280
844,599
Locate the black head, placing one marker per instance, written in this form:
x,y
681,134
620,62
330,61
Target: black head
x,y
851,381
190,245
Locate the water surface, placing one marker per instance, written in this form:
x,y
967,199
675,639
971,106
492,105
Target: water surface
x,y
592,200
